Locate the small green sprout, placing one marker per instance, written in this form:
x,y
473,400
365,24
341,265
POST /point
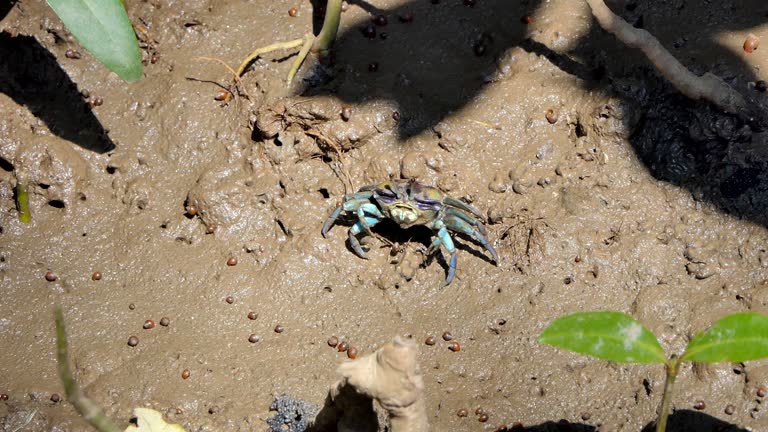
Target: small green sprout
x,y
618,337
103,28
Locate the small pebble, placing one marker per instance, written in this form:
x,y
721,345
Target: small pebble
x,y
699,405
730,409
462,412
232,261
447,336
185,374
96,101
191,210
51,276
373,67
369,31
344,7
406,17
131,306
55,398
761,391
483,418
751,43
229,299
96,276
352,353
252,315
279,329
586,416
164,321
430,340
342,347
346,112
380,20
333,341
210,229
254,338
72,54
761,86
551,116
293,12
3,396
148,324
133,341
85,93
455,347
479,410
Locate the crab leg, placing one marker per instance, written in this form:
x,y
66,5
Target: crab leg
x,y
357,228
460,225
371,210
466,218
445,239
463,206
352,202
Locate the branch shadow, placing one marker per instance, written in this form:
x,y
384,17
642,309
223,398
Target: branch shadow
x,y
434,58
32,77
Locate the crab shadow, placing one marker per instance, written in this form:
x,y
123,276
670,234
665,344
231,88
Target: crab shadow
x,y
32,77
435,58
687,420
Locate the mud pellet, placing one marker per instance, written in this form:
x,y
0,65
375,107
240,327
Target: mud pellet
x,y
344,7
342,347
396,115
55,398
699,405
551,116
586,416
430,340
96,276
447,336
252,315
751,43
346,112
526,19
761,391
462,412
222,95
232,261
369,31
254,338
279,328
761,85
333,341
191,210
229,299
210,229
51,276
165,321
455,347
85,93
730,409
479,411
380,20
131,306
577,259
373,67
3,397
133,341
148,324
72,54
185,374
483,418
292,12
352,353
96,101
406,17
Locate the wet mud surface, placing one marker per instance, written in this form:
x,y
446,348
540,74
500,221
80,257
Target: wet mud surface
x,y
603,189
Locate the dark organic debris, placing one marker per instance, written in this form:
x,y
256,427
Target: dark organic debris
x,y
292,415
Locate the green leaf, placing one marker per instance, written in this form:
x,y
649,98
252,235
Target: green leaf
x,y
149,420
607,335
736,338
103,28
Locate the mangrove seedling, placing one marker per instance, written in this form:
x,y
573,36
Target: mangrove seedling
x,y
618,337
103,28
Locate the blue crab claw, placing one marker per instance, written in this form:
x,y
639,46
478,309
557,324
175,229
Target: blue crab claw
x,y
445,239
461,225
351,202
463,206
356,229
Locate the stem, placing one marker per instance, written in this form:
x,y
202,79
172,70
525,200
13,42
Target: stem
x,y
327,34
86,407
22,202
666,399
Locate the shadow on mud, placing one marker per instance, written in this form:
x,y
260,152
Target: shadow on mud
x,y
433,58
687,420
32,77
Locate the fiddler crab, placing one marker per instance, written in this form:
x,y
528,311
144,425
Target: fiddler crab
x,y
410,203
